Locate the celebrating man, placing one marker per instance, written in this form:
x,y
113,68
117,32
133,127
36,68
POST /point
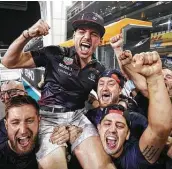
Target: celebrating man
x,y
70,75
114,125
22,124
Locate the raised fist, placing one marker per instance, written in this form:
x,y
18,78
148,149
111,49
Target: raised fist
x,y
116,41
125,58
38,29
147,63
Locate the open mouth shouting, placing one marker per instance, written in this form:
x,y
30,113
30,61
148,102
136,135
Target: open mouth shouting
x,y
85,47
24,141
106,98
111,142
23,144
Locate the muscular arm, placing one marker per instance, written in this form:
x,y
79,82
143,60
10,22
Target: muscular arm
x,y
116,43
15,57
138,80
155,136
124,60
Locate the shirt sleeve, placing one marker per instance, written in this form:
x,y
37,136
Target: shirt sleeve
x,y
137,160
45,55
138,124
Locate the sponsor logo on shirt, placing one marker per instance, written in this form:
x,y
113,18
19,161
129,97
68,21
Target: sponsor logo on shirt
x,y
65,69
68,61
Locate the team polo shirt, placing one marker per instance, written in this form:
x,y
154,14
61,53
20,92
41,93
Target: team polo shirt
x,y
66,84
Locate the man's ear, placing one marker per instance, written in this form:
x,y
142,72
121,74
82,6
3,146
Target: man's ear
x,y
128,135
120,90
101,41
39,118
73,35
5,122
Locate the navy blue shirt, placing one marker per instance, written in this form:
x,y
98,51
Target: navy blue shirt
x,y
132,158
66,84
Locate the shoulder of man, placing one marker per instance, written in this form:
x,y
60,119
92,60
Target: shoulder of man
x,y
99,66
3,148
53,49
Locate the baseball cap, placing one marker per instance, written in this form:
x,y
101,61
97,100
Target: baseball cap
x,y
115,74
119,109
91,20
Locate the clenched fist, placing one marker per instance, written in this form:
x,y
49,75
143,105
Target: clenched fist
x,y
38,29
116,41
147,63
125,58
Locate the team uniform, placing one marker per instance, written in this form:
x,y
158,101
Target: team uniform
x,y
10,160
65,90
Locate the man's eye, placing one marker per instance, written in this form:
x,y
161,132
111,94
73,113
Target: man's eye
x,y
95,34
169,76
30,121
81,31
101,84
13,94
106,123
120,126
111,84
15,123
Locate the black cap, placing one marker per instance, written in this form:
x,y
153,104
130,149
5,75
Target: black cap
x,y
119,109
110,73
91,20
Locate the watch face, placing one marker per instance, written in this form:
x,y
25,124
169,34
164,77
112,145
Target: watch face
x,y
136,38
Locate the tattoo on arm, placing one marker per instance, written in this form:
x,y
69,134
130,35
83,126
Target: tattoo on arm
x,y
149,152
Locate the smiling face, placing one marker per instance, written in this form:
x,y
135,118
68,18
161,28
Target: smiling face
x,y
22,126
86,41
113,132
11,89
108,91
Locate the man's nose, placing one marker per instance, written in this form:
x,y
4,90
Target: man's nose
x,y
87,35
6,96
23,128
112,129
105,87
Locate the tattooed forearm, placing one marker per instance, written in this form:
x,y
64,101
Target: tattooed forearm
x,y
149,152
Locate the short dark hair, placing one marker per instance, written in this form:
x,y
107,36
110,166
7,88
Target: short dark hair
x,y
20,100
